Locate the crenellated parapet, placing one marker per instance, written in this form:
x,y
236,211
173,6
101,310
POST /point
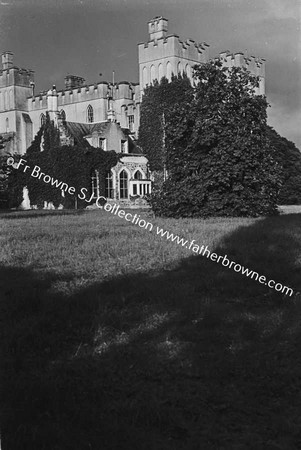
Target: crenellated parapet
x,y
171,46
256,66
22,111
164,55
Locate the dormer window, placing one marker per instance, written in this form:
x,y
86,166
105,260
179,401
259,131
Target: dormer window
x,y
102,143
63,115
123,146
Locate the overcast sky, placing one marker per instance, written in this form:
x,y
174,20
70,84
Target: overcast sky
x,y
88,37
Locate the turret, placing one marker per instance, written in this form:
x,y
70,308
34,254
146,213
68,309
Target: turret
x,y
157,28
7,60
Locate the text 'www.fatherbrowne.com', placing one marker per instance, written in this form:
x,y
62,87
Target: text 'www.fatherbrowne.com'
x,y
101,202
223,259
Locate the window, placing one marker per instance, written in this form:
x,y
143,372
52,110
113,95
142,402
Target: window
x,y
63,115
123,146
153,73
168,71
161,72
188,70
102,143
144,76
109,192
138,175
131,120
42,119
7,125
123,184
90,114
95,183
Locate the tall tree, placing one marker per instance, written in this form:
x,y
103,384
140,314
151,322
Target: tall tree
x,y
4,171
219,159
289,156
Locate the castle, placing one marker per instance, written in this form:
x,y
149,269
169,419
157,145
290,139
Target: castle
x,y
105,114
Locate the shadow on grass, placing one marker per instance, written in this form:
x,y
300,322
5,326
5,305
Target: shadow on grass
x,y
33,213
197,357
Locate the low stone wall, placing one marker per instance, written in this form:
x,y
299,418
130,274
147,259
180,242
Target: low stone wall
x,y
137,203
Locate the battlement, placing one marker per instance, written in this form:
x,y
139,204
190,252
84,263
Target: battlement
x,y
101,90
11,75
15,76
171,46
254,64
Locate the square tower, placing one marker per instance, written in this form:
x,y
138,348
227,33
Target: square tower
x,y
16,85
165,54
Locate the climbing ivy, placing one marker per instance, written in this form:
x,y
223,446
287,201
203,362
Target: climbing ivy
x,y
158,102
72,165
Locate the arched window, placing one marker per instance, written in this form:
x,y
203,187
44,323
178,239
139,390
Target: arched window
x,y
63,115
42,119
95,183
109,191
123,184
138,175
180,70
188,70
161,72
90,114
168,71
7,125
144,77
6,105
153,73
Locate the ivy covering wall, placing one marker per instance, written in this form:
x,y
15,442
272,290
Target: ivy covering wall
x,y
72,165
159,100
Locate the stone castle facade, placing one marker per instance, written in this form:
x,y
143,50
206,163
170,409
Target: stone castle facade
x,y
105,113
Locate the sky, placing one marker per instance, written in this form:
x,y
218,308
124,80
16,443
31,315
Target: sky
x,y
93,37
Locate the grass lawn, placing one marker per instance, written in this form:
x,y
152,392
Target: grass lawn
x,y
115,338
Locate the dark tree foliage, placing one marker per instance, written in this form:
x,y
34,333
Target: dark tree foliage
x,y
219,159
289,157
72,165
158,102
4,172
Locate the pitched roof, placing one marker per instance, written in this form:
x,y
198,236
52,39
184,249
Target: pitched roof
x,y
80,130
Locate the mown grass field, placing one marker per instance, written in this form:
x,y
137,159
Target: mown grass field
x,y
114,338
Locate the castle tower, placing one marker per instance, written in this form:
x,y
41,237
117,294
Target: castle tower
x,y
256,66
164,55
16,85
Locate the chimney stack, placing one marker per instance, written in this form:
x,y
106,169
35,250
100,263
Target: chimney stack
x,y
73,81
